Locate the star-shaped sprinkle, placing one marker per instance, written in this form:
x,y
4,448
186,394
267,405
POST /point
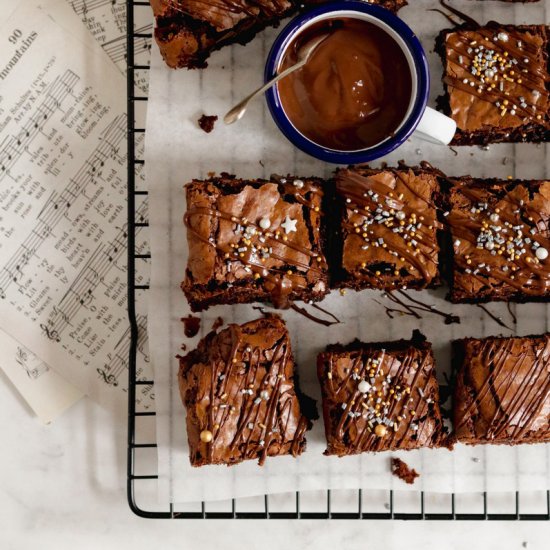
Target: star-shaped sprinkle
x,y
289,225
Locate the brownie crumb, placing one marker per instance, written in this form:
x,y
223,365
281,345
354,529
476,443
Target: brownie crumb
x,y
206,122
217,323
191,325
401,470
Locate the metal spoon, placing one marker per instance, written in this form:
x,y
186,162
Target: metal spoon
x,y
303,56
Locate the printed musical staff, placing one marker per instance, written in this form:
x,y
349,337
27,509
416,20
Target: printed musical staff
x,y
13,147
117,367
83,7
116,48
57,205
80,293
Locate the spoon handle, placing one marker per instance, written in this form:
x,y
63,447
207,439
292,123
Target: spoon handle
x,y
238,111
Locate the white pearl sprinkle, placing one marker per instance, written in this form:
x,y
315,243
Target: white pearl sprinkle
x,y
400,215
502,36
264,395
265,223
489,245
541,253
494,217
363,386
298,184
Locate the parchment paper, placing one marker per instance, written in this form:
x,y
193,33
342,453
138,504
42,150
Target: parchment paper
x,y
176,151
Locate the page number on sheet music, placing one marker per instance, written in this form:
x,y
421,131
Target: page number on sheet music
x,y
15,36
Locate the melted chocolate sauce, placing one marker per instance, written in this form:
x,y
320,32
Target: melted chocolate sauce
x,y
462,15
494,317
354,90
415,307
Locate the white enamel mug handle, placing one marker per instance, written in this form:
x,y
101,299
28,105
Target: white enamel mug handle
x,y
435,127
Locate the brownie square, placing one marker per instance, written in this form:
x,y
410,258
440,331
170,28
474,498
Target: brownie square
x,y
497,82
380,397
238,387
500,239
188,31
389,228
502,391
254,240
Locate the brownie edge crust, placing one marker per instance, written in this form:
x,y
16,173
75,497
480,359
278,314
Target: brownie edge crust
x,y
381,396
238,387
502,390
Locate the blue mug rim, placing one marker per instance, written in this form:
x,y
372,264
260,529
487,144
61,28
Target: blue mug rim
x,y
365,155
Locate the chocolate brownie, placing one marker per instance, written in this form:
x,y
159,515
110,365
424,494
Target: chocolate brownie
x,y
380,397
188,31
502,392
254,240
389,228
500,234
497,82
238,389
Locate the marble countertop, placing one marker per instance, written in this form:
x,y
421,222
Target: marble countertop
x,y
63,487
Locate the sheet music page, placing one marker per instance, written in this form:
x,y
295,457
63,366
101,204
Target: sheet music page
x,y
63,202
47,393
106,20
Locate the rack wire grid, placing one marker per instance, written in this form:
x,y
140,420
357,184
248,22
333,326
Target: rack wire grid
x,y
357,504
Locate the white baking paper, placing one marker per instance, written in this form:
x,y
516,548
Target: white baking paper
x,y
176,151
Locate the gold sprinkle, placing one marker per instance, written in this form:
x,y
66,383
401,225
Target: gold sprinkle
x,y
380,430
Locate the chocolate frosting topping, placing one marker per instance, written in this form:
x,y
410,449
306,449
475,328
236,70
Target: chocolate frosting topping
x,y
221,14
266,235
389,227
497,77
502,392
501,239
238,388
379,397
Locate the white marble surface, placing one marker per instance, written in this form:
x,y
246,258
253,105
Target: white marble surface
x,y
62,487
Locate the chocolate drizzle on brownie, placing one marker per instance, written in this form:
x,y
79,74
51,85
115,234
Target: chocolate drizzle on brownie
x,y
501,240
389,227
497,82
273,252
503,390
379,397
501,66
416,306
238,387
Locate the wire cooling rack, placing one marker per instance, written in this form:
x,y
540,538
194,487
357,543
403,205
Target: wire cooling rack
x,y
142,447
